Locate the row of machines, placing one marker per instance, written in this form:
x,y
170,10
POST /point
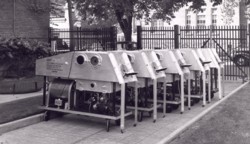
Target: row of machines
x,y
116,84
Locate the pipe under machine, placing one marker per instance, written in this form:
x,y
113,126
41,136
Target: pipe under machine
x,y
113,85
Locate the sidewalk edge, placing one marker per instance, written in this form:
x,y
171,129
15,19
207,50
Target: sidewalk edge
x,y
10,126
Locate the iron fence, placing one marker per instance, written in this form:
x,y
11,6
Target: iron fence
x,y
231,43
81,39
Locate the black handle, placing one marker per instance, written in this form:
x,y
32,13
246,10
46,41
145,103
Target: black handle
x,y
131,73
206,62
186,65
159,70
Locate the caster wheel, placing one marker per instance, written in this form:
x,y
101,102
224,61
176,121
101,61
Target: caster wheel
x,y
122,131
134,125
189,108
192,102
154,121
212,95
107,125
195,100
117,122
168,109
175,107
47,115
150,114
203,105
181,112
140,116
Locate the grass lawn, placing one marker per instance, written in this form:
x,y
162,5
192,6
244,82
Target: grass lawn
x,y
228,123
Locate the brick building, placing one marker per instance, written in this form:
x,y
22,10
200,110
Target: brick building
x,y
24,18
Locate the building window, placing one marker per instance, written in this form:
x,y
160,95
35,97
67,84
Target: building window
x,y
160,23
188,17
201,21
214,16
157,23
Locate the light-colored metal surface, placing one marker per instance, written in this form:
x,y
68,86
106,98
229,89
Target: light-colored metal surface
x,y
169,60
192,58
221,64
218,64
55,66
206,64
87,65
209,55
146,64
92,71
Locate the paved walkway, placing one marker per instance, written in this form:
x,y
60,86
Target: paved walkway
x,y
73,129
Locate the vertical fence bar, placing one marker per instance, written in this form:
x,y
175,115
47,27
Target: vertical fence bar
x,y
248,52
176,36
139,37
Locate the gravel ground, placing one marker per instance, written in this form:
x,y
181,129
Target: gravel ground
x,y
228,123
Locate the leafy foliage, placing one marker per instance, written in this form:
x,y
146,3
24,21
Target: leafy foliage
x,y
228,10
125,10
56,8
20,54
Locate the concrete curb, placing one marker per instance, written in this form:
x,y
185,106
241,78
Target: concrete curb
x,y
10,126
177,132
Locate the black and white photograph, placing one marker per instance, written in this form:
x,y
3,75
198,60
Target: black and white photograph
x,y
124,71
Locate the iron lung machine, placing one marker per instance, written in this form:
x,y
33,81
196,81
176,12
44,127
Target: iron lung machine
x,y
86,83
216,67
197,74
171,62
149,71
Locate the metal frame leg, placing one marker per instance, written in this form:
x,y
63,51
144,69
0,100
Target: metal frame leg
x,y
155,99
182,93
204,88
209,86
164,96
122,125
219,83
44,90
223,80
136,104
189,91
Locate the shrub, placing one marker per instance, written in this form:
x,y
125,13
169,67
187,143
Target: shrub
x,y
18,55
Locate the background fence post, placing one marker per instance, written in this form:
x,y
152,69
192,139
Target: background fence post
x,y
176,36
248,74
49,36
139,33
113,37
77,39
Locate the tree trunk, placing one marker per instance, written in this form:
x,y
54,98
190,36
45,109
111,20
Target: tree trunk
x,y
71,27
125,23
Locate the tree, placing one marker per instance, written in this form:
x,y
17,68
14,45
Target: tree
x,y
228,10
56,8
125,10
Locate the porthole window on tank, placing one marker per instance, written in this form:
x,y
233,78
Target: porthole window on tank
x,y
96,60
81,59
